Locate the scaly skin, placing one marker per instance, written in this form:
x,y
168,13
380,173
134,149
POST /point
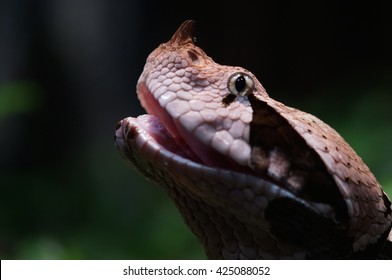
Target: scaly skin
x,y
253,178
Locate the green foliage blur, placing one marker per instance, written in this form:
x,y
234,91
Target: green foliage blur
x,y
68,73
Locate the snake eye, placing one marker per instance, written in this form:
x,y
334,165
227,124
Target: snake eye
x,y
240,84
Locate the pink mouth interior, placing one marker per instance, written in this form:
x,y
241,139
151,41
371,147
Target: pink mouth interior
x,y
154,127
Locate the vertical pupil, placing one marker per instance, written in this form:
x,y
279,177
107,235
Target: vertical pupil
x,y
240,83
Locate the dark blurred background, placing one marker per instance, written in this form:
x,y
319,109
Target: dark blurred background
x,y
68,71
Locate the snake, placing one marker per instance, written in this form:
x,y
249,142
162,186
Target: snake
x,y
252,177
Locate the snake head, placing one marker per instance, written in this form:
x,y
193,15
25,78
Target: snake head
x,y
203,105
275,182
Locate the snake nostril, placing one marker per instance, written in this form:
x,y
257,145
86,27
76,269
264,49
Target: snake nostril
x,y
193,56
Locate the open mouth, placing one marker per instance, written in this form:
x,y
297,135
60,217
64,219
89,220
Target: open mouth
x,y
149,133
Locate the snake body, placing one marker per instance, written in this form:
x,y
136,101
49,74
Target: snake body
x,y
252,177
